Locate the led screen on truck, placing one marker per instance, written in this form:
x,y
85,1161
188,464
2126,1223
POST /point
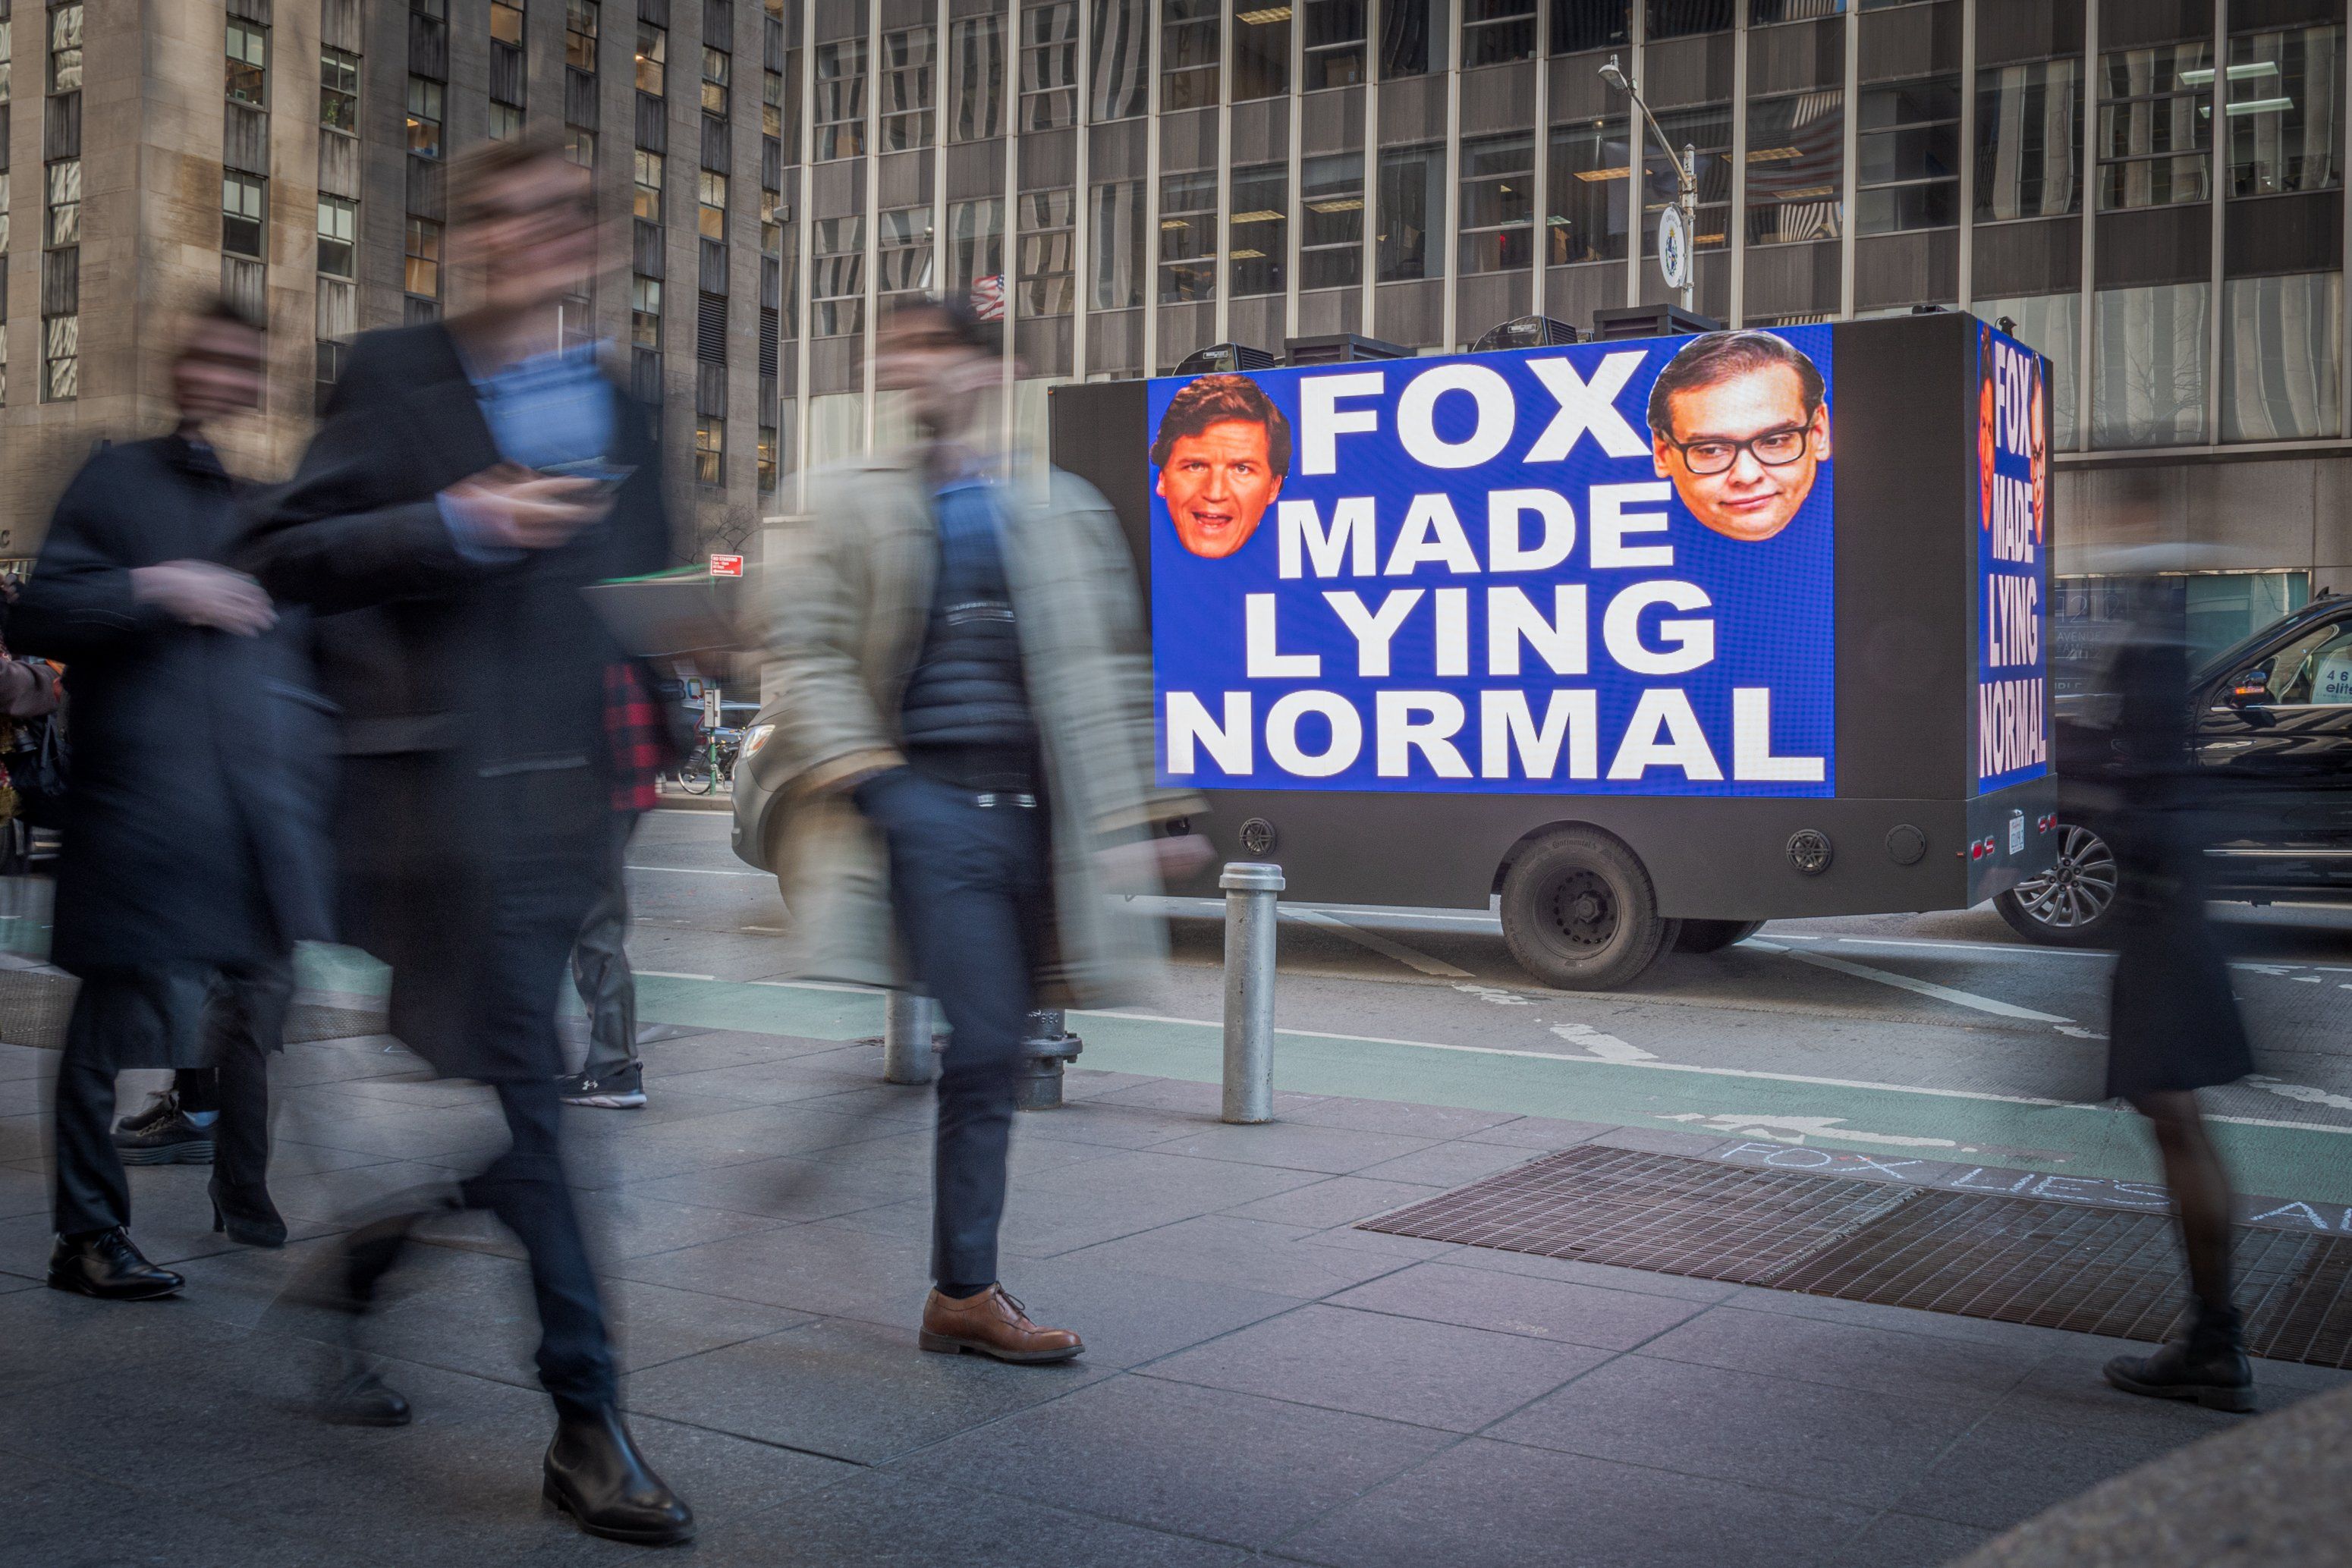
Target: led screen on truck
x,y
2013,719
1604,568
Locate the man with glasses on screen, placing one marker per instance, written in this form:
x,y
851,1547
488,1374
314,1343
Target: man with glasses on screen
x,y
1739,422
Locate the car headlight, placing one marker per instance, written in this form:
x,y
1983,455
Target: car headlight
x,y
755,737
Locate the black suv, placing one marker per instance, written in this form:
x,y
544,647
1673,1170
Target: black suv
x,y
2274,738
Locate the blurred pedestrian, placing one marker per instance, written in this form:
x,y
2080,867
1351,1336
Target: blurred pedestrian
x,y
191,861
963,742
2173,1023
470,479
613,1078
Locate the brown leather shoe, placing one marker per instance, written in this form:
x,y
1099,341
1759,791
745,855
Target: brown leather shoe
x,y
991,1324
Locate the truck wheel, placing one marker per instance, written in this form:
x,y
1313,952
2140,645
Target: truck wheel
x,y
1714,935
1579,912
2076,903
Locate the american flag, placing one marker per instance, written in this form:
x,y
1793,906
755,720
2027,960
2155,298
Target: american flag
x,y
988,297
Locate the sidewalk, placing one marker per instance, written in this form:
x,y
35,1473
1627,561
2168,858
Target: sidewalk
x,y
1263,1381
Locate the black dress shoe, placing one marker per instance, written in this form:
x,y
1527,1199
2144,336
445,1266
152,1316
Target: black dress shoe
x,y
360,1399
105,1264
250,1219
595,1473
2209,1366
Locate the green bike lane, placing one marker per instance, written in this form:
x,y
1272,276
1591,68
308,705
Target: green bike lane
x,y
2308,1162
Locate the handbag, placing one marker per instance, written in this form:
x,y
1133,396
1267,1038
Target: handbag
x,y
38,766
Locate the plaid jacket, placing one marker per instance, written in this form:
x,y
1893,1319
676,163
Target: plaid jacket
x,y
637,737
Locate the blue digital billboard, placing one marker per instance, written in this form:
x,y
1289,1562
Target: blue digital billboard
x,y
2012,582
1603,568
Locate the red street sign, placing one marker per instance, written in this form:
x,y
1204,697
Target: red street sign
x,y
727,566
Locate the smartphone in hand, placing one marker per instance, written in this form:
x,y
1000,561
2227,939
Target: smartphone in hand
x,y
608,475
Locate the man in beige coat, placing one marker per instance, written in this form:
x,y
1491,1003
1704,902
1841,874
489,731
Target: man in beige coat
x,y
962,749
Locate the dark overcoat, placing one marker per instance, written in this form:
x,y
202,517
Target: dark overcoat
x,y
191,826
475,784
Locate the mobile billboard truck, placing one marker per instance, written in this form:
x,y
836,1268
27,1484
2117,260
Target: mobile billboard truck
x,y
1648,640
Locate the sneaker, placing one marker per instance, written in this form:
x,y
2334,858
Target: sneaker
x,y
163,1135
622,1090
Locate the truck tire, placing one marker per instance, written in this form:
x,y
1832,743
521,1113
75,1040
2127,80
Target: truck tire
x,y
1579,912
1714,935
2075,905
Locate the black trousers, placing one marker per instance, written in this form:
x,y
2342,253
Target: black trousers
x,y
244,1019
968,888
525,1189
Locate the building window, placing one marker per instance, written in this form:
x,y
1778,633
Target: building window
x,y
2156,125
1908,152
62,357
1122,57
841,99
645,311
771,226
649,186
1049,66
506,22
1261,52
718,66
7,52
421,271
1335,43
905,253
1591,179
339,233
906,90
580,146
769,464
2150,365
581,21
506,122
244,202
2285,112
838,277
976,245
1413,37
247,49
1331,231
1493,31
772,103
65,202
1796,162
1708,132
2281,355
1580,25
1259,225
653,58
711,196
1117,245
710,450
1499,211
424,117
978,111
65,49
3,238
1048,251
339,91
1412,211
1189,31
2029,140
1188,237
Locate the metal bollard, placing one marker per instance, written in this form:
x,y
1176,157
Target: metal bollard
x,y
1048,1047
907,1056
1250,894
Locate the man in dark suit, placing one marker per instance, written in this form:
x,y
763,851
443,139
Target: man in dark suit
x,y
469,481
191,861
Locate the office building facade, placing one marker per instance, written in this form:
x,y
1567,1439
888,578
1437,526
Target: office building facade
x,y
2150,190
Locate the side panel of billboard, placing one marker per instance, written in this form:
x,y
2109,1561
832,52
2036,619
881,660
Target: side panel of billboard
x,y
1599,570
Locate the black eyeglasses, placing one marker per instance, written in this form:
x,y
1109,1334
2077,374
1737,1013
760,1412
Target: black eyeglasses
x,y
1712,454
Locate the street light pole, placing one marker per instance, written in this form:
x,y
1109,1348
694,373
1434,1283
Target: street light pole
x,y
1685,177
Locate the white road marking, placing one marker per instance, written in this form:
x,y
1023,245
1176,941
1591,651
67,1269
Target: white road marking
x,y
2302,1091
1970,946
1905,982
2079,1032
673,974
1796,1129
699,870
1607,1047
1496,994
1378,944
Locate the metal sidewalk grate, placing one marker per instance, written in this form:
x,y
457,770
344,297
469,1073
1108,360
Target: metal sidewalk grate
x,y
33,1008
2024,1261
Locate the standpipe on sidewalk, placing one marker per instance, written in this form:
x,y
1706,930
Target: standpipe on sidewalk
x,y
1251,892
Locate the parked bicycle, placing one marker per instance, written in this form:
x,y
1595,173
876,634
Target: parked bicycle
x,y
711,762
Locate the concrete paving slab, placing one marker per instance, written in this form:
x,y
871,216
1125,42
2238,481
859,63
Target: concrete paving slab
x,y
1251,1254
1514,1304
1847,1356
